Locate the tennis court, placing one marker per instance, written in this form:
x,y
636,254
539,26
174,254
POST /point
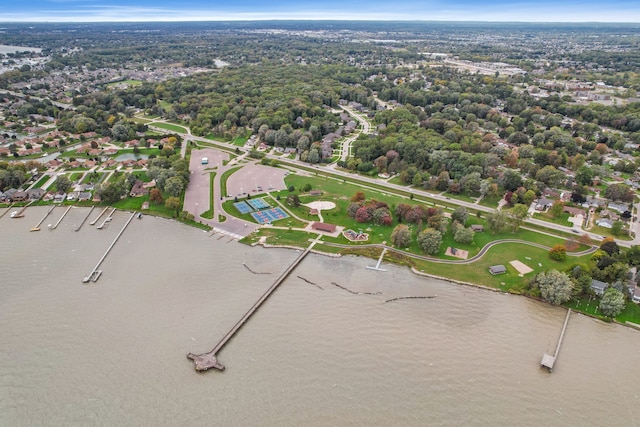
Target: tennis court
x,y
269,215
258,204
242,207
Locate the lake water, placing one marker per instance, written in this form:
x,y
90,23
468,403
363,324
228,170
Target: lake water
x,y
4,49
114,352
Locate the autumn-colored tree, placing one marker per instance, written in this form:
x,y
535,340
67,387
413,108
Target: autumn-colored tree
x,y
362,214
155,196
401,236
558,253
173,203
358,197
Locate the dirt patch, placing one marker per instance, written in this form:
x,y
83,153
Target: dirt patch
x,y
457,253
521,267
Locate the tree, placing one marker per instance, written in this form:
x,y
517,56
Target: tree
x,y
612,302
460,214
584,175
155,196
430,240
463,235
617,228
558,253
401,236
62,183
173,203
610,246
496,222
174,186
557,209
362,214
358,196
555,287
620,192
516,216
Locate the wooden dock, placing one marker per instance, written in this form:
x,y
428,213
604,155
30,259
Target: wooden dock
x,y
206,361
95,273
37,226
98,217
547,360
85,219
61,218
20,213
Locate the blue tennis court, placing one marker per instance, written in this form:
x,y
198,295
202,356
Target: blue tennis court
x,y
269,215
242,207
258,204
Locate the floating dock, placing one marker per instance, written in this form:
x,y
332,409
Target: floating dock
x,y
96,272
547,360
206,361
37,226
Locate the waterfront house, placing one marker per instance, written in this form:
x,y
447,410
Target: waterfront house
x,y
598,287
20,196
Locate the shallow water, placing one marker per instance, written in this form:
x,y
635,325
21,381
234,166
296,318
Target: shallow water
x,y
114,352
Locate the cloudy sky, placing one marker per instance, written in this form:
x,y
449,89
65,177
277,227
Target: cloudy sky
x,y
216,10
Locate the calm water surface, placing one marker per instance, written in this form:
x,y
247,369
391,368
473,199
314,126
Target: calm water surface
x,y
114,352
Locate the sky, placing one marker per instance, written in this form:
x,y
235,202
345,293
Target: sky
x,y
230,10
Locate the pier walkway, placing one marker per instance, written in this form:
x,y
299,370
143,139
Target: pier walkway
x,y
95,273
547,360
205,361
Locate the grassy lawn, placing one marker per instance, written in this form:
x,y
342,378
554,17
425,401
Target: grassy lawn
x,y
128,82
94,177
295,238
170,127
560,220
491,202
478,272
223,179
41,181
461,196
239,141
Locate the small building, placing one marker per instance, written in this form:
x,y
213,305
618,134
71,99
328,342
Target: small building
x,y
324,227
20,196
605,223
497,269
315,193
478,228
598,287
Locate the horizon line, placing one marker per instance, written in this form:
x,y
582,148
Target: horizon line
x,y
161,21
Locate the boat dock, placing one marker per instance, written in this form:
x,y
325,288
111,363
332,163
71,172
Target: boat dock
x,y
106,220
61,218
20,213
37,226
96,272
205,361
98,217
377,267
85,219
547,360
6,211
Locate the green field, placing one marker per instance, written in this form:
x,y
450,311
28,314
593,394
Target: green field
x,y
170,127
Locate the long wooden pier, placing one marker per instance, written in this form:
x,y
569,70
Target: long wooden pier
x,y
95,273
547,360
98,217
37,226
61,218
206,361
85,219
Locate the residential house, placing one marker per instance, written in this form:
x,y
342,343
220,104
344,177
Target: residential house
x,y
620,207
35,193
19,196
478,228
543,204
138,189
598,287
604,222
